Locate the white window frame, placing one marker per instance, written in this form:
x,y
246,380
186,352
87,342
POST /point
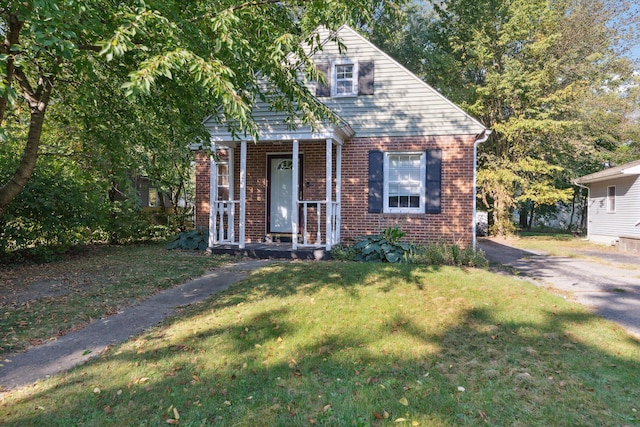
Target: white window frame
x,y
219,185
611,199
423,173
334,77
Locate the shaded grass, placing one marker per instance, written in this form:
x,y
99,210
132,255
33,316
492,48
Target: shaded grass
x,y
48,300
357,344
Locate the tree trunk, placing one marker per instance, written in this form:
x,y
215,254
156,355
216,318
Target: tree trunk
x,y
523,214
38,105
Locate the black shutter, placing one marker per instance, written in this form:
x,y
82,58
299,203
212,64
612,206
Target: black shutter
x,y
365,78
376,181
433,181
324,89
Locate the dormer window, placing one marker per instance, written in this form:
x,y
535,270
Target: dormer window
x,y
344,79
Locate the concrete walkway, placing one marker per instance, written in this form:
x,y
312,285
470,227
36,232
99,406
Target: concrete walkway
x,y
20,369
608,282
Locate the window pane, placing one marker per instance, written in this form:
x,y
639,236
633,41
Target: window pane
x,y
404,186
344,79
344,71
344,87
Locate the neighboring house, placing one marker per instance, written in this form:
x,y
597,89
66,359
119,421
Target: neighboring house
x,y
149,195
402,155
613,207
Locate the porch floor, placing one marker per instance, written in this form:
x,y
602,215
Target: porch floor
x,y
272,251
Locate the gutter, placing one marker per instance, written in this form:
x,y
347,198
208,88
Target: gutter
x,y
481,138
575,182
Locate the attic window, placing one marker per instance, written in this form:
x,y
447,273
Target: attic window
x,y
345,77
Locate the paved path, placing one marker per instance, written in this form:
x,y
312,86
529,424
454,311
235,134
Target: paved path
x,y
20,369
609,282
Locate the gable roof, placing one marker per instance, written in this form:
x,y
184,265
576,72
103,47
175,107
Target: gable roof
x,y
401,104
627,169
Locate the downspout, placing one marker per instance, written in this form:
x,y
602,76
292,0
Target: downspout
x,y
481,138
588,198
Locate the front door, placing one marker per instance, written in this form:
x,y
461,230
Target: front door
x,y
280,174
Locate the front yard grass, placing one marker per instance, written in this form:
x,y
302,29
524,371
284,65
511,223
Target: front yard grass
x,y
38,302
355,344
555,244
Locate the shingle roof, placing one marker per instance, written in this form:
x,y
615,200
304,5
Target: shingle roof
x,y
631,168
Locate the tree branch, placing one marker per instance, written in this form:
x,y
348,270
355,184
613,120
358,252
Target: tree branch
x,y
11,39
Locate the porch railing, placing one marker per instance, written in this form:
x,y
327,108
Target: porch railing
x,y
223,224
312,233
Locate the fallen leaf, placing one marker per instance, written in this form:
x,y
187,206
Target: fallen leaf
x,y
326,408
176,415
404,401
378,416
107,410
172,421
399,420
460,388
96,390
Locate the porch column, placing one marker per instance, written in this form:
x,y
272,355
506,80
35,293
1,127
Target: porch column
x,y
338,193
231,235
213,181
243,191
329,209
294,197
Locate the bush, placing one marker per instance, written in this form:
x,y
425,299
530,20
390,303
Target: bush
x,y
384,247
194,240
343,253
447,254
387,247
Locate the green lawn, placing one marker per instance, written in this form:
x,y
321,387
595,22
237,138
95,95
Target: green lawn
x,y
40,301
354,344
555,244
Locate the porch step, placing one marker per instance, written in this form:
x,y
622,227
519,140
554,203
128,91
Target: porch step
x,y
272,251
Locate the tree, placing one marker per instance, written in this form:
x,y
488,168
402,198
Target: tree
x,y
527,69
200,56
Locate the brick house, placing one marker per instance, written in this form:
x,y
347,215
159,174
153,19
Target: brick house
x,y
402,154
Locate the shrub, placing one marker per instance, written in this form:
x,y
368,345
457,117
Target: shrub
x,y
447,254
194,240
343,253
384,247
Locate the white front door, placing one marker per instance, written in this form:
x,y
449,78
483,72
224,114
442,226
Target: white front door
x,y
280,186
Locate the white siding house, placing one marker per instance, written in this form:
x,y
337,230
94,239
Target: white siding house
x,y
614,205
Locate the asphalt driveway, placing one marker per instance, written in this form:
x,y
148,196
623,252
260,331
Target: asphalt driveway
x,y
608,282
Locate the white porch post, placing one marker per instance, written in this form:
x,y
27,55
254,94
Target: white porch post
x,y
294,197
329,209
338,192
231,235
243,191
213,178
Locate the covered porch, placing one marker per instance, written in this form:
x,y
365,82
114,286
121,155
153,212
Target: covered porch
x,y
280,193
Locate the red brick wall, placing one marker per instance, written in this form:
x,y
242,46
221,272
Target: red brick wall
x,y
453,224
